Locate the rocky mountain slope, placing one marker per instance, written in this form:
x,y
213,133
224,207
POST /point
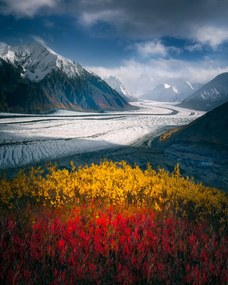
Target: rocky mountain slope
x,y
208,129
35,79
201,147
211,95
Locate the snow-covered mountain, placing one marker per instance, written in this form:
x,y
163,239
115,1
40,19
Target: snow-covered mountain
x,y
117,85
36,79
38,60
211,95
171,92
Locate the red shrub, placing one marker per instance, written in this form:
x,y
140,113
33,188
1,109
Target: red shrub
x,y
106,247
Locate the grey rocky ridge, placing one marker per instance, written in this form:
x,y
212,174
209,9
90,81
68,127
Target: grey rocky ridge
x,y
35,79
210,96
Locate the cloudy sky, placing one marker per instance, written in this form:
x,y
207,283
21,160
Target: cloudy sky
x,y
142,42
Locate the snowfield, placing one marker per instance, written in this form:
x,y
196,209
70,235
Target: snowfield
x,y
28,139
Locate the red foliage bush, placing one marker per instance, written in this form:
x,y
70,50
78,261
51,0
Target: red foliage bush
x,y
92,246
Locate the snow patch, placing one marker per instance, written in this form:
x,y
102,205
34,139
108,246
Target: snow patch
x,y
190,85
175,89
167,85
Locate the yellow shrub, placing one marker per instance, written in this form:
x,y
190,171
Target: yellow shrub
x,y
112,183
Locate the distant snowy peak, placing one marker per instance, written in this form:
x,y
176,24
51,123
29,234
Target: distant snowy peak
x,y
38,60
117,85
172,92
172,87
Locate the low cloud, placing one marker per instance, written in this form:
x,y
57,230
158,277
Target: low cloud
x,y
139,77
91,18
153,48
212,36
39,40
150,48
204,21
194,47
201,23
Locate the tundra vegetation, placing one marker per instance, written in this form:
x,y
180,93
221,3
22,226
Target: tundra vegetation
x,y
111,223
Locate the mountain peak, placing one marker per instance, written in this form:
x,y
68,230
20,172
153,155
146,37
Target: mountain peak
x,y
34,78
37,60
117,85
36,48
39,45
174,91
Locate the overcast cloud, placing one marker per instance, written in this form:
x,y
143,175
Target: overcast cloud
x,y
138,19
148,31
25,8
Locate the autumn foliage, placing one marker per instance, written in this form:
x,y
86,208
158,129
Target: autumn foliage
x,y
111,224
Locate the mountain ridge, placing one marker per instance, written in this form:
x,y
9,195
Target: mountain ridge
x,y
210,96
208,129
117,85
171,91
38,60
43,81
201,148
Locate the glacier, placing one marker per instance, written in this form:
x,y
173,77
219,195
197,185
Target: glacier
x,y
29,139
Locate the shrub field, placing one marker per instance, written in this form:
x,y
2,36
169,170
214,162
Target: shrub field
x,y
111,223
